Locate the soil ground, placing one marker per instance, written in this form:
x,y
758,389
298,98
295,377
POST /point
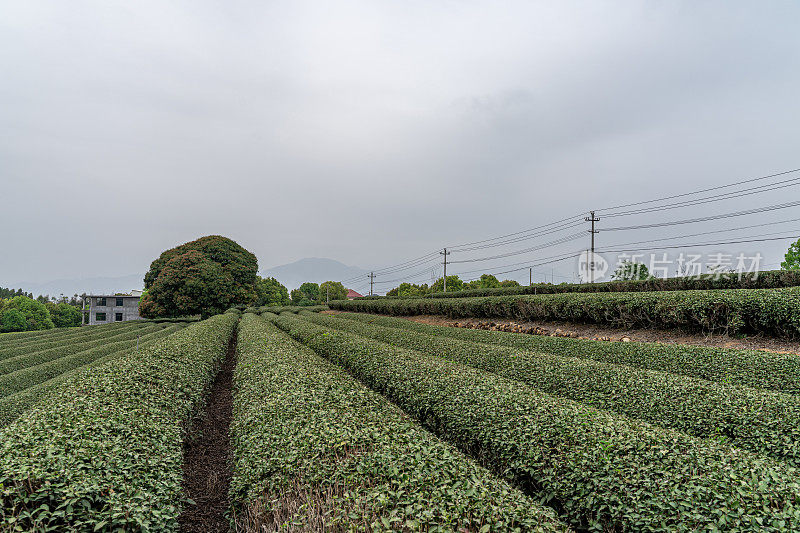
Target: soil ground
x,y
207,457
593,331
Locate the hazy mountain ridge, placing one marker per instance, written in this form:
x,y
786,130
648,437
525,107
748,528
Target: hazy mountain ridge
x,y
316,270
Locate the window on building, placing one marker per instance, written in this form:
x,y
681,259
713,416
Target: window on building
x,y
100,317
118,317
101,301
119,303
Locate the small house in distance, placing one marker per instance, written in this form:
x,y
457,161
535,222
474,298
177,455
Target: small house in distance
x,y
106,308
352,294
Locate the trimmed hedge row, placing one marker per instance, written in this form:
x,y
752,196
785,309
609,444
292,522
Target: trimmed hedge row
x,y
106,452
770,279
11,340
315,450
772,311
601,470
14,405
20,380
277,309
749,368
760,421
23,358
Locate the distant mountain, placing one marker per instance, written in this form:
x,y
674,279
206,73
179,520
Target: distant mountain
x,y
68,287
316,270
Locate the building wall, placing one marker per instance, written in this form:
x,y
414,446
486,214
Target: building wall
x,y
129,309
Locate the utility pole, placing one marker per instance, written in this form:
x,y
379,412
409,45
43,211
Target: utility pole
x,y
445,253
371,280
328,294
530,283
590,264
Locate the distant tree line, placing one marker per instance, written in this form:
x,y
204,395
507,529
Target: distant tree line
x,y
20,311
454,284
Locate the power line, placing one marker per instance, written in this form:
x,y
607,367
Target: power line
x,y
751,180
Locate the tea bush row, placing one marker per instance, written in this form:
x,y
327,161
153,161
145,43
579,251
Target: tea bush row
x,y
772,311
316,450
750,368
14,405
760,421
24,358
603,471
105,453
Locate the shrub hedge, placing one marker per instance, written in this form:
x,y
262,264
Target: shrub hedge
x,y
22,358
772,311
106,452
770,279
760,421
749,368
277,309
25,338
14,405
316,450
602,471
20,380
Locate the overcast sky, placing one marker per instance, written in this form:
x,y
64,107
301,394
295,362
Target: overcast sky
x,y
374,132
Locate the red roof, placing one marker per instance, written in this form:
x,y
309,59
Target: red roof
x,y
353,294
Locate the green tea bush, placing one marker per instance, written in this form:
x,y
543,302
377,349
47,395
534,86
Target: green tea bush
x,y
316,450
31,338
14,405
772,279
22,358
278,309
749,368
20,380
772,311
105,453
603,471
760,421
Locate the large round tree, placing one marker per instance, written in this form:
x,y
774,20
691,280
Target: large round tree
x,y
204,277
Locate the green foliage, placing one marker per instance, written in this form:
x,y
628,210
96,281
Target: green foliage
x,y
772,279
509,283
34,314
65,315
792,258
202,277
631,270
454,284
332,290
772,311
693,406
747,368
270,291
13,320
14,405
306,294
603,471
106,452
293,309
409,290
486,281
303,428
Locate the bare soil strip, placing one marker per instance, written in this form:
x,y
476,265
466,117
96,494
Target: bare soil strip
x,y
207,457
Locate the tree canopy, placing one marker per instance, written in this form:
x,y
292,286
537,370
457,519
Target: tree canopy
x,y
270,292
333,290
205,276
792,257
33,313
454,284
306,294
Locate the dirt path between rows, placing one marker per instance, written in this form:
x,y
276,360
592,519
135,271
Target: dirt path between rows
x,y
207,457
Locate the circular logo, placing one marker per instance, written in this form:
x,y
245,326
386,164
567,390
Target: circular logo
x,y
591,267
